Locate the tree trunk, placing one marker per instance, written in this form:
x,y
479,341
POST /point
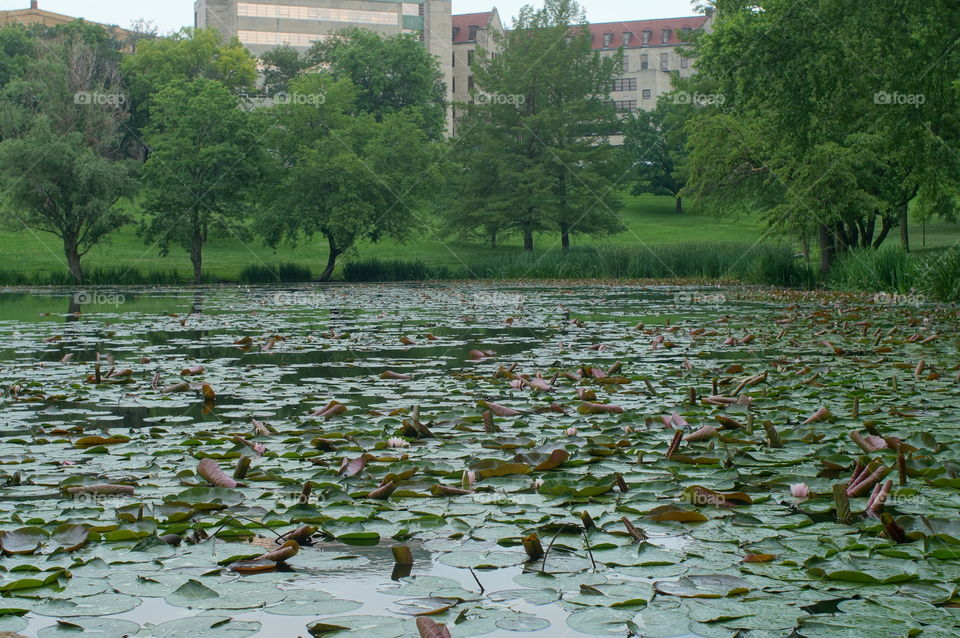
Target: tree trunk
x,y
885,225
196,253
805,246
840,242
904,230
853,235
493,239
564,236
73,259
679,203
331,259
827,251
866,237
528,240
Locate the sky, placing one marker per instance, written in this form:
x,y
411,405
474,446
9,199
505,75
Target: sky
x,y
170,15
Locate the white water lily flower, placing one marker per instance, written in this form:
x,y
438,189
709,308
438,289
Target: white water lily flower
x,y
396,441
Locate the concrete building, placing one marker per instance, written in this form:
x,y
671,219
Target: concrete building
x,y
470,32
36,15
650,58
261,25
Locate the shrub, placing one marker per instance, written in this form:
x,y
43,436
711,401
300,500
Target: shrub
x,y
278,273
888,269
940,276
393,270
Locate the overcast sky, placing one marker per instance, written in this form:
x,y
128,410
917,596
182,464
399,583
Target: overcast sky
x,y
170,15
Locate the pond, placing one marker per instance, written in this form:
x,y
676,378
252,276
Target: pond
x,y
579,459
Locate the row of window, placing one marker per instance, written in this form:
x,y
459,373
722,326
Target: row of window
x,y
274,38
645,37
245,9
471,35
664,62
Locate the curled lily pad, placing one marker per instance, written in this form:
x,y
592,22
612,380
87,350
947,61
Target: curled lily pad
x,y
25,540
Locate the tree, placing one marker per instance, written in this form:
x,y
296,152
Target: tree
x,y
342,173
204,160
829,129
539,129
280,65
16,51
655,142
186,55
61,161
393,74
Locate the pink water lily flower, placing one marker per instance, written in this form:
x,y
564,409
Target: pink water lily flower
x,y
571,431
799,490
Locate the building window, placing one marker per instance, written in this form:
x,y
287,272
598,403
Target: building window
x,y
684,34
625,84
453,59
645,94
644,64
627,37
625,105
290,12
456,32
664,62
473,31
275,38
470,83
453,84
470,57
626,63
607,40
666,36
645,37
684,63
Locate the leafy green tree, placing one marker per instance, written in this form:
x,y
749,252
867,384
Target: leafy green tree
x,y
186,55
16,50
830,129
540,128
280,66
61,160
341,173
393,74
204,161
655,143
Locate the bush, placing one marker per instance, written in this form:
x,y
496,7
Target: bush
x,y
888,269
393,270
940,276
280,273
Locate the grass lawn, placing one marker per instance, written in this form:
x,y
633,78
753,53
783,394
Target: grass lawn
x,y
649,219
